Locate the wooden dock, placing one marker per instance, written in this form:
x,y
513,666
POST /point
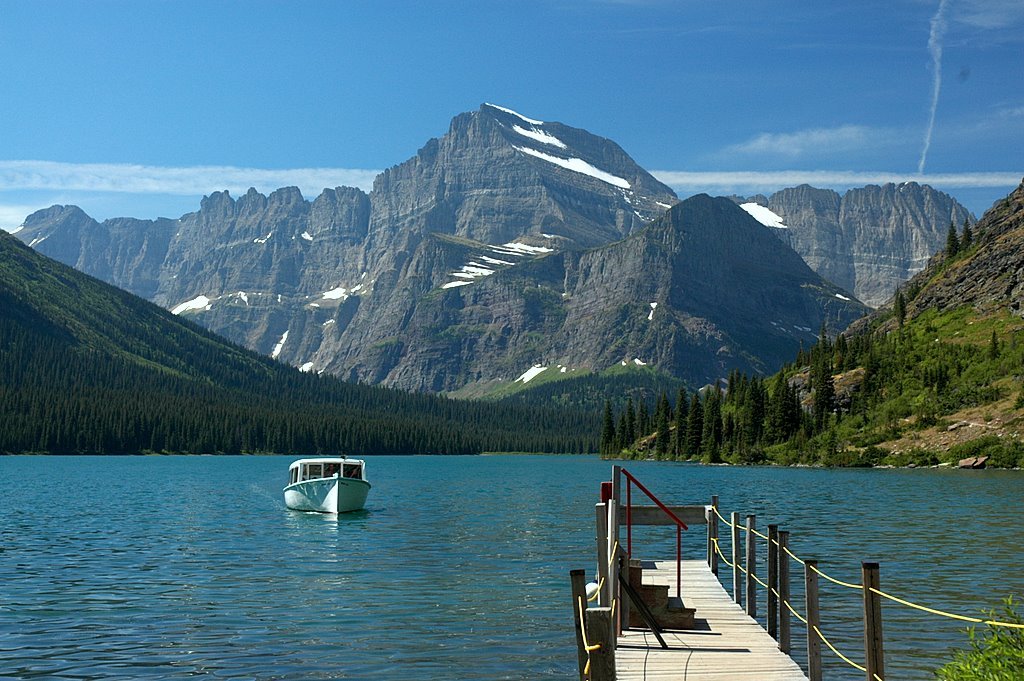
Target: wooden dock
x,y
725,642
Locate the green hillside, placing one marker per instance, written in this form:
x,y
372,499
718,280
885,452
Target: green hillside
x,y
935,378
88,368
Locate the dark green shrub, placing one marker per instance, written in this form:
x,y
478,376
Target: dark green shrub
x,y
996,653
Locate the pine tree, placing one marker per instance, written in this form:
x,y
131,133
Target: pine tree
x,y
694,426
967,238
711,438
679,436
643,421
663,438
952,242
608,430
900,307
993,346
630,434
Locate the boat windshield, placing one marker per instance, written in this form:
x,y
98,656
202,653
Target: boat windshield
x,y
353,470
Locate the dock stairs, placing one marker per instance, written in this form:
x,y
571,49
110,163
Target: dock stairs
x,y
668,611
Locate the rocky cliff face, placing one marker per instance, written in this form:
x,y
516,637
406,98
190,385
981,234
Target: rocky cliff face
x,y
868,240
987,277
507,243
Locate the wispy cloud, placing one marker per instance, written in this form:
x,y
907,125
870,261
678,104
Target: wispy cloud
x,y
935,36
810,141
776,179
195,180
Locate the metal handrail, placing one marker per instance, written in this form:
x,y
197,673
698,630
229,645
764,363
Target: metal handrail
x,y
680,525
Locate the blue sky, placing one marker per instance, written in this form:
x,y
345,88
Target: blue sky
x,y
140,108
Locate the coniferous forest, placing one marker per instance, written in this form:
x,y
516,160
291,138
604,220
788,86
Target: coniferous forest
x,y
86,368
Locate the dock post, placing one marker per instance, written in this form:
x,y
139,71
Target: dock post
x,y
713,535
751,567
813,620
578,578
613,565
602,552
737,584
773,581
599,630
874,655
784,642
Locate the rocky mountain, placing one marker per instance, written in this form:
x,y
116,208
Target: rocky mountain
x,y
509,243
89,368
868,240
988,276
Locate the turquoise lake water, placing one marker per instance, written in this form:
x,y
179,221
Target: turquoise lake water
x,y
171,567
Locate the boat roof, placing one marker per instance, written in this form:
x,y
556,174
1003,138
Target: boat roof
x,y
334,459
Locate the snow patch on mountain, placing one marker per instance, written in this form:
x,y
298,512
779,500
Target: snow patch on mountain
x,y
280,344
532,121
199,303
577,165
531,373
764,216
541,136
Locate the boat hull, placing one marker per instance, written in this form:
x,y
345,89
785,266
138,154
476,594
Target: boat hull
x,y
327,495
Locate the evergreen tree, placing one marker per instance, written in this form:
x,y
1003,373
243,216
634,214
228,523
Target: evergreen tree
x,y
967,238
952,242
679,436
711,438
694,426
900,307
630,434
643,421
663,438
993,346
608,430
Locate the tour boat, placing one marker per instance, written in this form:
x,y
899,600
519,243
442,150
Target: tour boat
x,y
326,485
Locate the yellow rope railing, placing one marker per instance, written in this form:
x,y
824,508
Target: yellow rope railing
x,y
849,585
942,613
842,657
858,587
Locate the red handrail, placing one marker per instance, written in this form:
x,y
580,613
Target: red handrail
x,y
680,525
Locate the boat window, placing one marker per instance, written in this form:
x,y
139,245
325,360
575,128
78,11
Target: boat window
x,y
330,470
352,471
294,478
313,471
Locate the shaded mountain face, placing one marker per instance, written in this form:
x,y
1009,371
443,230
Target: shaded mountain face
x,y
868,240
508,242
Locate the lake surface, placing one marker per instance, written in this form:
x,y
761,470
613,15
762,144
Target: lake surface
x,y
167,567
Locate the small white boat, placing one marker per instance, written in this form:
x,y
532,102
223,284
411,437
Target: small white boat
x,y
326,485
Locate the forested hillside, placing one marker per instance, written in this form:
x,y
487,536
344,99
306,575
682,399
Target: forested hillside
x,y
88,368
935,378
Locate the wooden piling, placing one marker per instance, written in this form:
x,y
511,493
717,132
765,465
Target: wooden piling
x,y
578,579
599,632
713,535
784,631
613,562
601,535
737,584
874,655
813,621
751,566
773,582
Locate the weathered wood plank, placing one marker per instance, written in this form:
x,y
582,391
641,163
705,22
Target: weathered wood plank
x,y
652,515
725,644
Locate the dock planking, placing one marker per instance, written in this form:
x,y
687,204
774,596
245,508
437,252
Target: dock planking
x,y
725,643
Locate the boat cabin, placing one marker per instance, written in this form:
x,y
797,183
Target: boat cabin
x,y
318,469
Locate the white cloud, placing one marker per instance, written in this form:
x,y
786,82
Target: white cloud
x,y
990,14
776,179
195,180
813,140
